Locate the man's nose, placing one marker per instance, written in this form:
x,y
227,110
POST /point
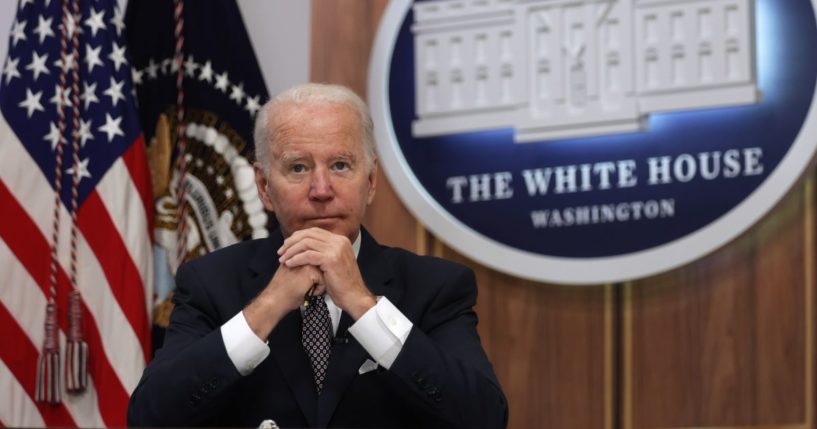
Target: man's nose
x,y
321,187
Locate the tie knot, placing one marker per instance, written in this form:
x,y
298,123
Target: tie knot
x,y
314,301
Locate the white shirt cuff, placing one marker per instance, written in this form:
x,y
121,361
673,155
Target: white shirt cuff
x,y
382,331
244,348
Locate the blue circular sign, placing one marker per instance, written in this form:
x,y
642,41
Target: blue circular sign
x,y
594,142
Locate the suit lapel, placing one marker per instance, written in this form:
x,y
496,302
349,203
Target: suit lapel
x,y
286,347
262,265
285,340
347,354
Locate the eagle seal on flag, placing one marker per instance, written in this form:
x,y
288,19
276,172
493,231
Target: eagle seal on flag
x,y
198,91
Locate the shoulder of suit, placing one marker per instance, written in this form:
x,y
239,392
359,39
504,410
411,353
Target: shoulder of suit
x,y
412,261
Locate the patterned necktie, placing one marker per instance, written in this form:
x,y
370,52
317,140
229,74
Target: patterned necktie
x,y
316,337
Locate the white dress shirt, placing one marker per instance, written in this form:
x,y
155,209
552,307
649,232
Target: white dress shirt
x,y
381,331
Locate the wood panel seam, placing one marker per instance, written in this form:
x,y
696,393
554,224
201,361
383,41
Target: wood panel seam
x,y
627,358
809,298
609,356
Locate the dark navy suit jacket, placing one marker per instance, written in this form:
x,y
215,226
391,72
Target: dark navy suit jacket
x,y
441,378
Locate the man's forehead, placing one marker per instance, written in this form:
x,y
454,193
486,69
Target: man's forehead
x,y
303,143
298,128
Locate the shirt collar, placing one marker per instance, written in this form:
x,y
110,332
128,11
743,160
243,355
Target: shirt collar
x,y
356,244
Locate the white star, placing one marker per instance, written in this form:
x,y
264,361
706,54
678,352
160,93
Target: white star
x,y
53,136
92,57
115,91
44,28
94,22
89,94
152,69
190,67
69,63
206,72
111,127
18,32
237,93
37,64
85,131
61,98
117,20
117,55
136,75
83,170
222,82
32,102
253,104
11,69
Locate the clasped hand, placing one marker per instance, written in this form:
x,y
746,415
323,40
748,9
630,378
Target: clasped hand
x,y
333,256
310,257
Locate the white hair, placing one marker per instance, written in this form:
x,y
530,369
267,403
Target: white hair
x,y
313,93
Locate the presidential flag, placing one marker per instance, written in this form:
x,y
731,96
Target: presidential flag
x,y
199,86
77,210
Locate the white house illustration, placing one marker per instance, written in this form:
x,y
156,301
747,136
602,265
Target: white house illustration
x,y
571,68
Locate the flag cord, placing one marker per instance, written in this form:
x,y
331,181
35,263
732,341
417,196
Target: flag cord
x,y
48,388
181,162
76,352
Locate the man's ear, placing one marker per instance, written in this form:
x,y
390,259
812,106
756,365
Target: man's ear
x,y
261,184
372,181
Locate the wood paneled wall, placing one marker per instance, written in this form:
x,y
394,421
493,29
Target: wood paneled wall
x,y
726,341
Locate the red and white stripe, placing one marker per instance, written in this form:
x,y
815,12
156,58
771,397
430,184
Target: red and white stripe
x,y
114,277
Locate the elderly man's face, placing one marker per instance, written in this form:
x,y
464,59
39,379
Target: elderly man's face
x,y
318,174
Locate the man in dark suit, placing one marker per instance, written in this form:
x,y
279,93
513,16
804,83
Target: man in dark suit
x,y
360,335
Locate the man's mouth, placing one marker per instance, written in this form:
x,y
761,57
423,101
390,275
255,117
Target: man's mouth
x,y
319,219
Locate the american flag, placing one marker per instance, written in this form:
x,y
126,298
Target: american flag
x,y
113,215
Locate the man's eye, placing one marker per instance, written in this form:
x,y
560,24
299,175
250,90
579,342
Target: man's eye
x,y
298,168
340,165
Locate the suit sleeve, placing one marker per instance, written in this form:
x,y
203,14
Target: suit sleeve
x,y
190,379
442,366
